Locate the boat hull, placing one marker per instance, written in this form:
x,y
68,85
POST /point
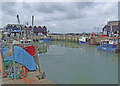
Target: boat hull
x,y
94,43
31,50
45,40
41,41
84,43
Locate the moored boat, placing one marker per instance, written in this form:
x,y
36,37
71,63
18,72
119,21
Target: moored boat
x,y
45,40
110,44
84,41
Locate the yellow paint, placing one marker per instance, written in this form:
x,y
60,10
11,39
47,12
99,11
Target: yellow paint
x,y
0,36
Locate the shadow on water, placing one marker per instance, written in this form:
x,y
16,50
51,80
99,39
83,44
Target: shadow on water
x,y
70,63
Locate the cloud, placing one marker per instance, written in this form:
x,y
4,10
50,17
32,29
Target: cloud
x,y
8,8
53,25
61,16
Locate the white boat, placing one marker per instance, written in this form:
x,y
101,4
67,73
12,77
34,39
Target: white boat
x,y
84,41
26,41
15,42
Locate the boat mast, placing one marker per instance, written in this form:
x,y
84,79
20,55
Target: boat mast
x,y
32,28
27,33
118,32
20,28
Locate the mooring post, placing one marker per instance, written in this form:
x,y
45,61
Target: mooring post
x,y
37,53
14,62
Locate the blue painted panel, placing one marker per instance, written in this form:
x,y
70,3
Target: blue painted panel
x,y
21,56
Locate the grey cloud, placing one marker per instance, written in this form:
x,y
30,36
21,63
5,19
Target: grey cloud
x,y
8,8
49,7
80,5
60,11
26,5
61,16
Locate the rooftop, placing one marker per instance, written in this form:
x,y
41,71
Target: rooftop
x,y
113,23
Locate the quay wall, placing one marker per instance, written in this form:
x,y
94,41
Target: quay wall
x,y
68,38
75,38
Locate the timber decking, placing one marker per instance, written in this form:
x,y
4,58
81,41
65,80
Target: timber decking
x,y
31,75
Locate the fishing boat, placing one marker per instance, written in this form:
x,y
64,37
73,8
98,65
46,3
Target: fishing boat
x,y
45,40
26,41
31,50
20,64
15,42
84,41
110,44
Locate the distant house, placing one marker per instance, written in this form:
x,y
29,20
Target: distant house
x,y
111,28
14,29
35,30
44,30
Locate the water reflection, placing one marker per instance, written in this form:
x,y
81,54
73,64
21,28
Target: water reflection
x,y
70,63
44,46
66,44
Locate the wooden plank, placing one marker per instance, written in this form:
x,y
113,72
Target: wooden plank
x,y
0,63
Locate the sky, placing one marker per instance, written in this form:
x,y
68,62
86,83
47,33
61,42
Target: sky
x,y
62,17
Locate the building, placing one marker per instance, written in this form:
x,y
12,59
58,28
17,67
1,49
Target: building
x,y
111,28
15,29
40,30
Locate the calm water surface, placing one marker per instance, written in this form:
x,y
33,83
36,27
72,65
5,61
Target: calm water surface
x,y
70,63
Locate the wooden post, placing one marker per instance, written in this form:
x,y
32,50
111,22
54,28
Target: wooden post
x,y
14,62
37,51
1,63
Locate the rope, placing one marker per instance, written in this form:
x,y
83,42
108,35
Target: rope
x,y
26,80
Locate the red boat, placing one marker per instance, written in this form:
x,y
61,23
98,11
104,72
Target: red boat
x,y
31,50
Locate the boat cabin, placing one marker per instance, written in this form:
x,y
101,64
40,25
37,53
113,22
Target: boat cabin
x,y
84,39
26,41
110,42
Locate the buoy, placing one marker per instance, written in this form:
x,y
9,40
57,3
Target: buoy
x,y
114,43
91,42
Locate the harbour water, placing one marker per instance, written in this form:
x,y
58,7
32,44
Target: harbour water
x,y
70,63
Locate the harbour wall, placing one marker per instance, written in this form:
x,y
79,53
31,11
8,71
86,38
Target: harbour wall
x,y
68,38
